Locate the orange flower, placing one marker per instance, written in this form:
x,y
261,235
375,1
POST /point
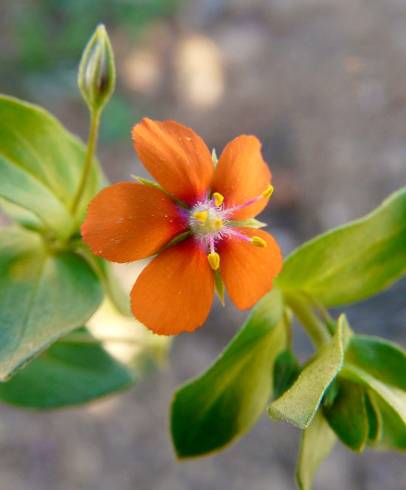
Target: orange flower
x,y
207,205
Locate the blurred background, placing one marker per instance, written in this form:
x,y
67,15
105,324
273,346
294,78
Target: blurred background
x,y
322,84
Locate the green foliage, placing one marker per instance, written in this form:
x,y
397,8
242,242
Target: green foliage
x,y
384,360
44,293
286,370
391,424
41,165
381,366
347,415
299,404
353,388
68,373
317,442
354,261
226,400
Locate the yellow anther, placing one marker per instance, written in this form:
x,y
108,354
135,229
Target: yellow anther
x,y
218,198
214,260
217,224
258,242
201,216
268,191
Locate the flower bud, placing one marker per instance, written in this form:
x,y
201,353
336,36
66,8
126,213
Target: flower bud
x,y
97,74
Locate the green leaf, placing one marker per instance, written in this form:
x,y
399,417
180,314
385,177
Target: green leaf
x,y
40,165
300,402
317,442
381,366
347,415
43,295
383,360
353,261
68,373
106,275
20,215
392,434
227,400
374,421
286,370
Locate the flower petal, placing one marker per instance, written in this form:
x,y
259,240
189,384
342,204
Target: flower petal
x,y
241,175
248,271
174,293
176,157
129,221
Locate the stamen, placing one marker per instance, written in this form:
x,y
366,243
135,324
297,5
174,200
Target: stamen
x,y
218,198
268,191
258,242
264,194
201,216
214,260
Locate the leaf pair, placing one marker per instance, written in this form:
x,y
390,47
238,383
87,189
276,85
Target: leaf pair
x,y
47,288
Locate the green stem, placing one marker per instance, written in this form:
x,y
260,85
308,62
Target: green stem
x,y
316,329
91,147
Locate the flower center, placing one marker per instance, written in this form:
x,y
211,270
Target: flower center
x,y
206,219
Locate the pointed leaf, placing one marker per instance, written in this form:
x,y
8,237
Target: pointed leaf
x,y
392,434
347,415
317,442
43,294
336,272
374,421
383,360
68,373
381,366
227,400
41,164
300,402
286,370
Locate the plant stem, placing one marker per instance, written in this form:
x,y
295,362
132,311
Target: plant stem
x,y
91,147
317,330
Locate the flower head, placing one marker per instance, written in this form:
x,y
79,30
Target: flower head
x,y
193,220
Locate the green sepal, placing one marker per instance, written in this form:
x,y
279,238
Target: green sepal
x,y
248,223
155,185
214,157
219,286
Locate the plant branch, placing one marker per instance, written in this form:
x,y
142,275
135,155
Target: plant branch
x,y
316,329
91,147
